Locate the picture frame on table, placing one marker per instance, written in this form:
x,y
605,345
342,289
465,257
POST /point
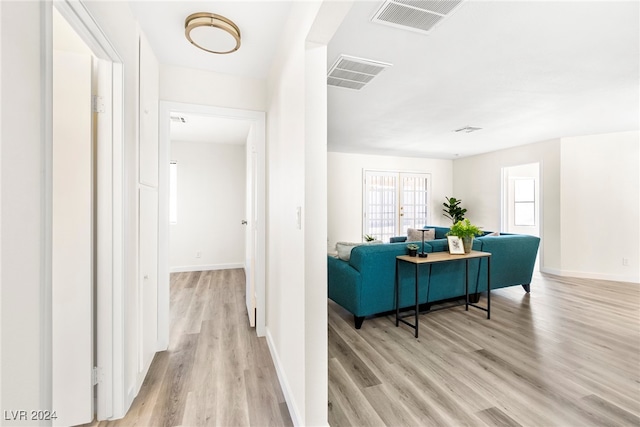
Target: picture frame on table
x,y
455,245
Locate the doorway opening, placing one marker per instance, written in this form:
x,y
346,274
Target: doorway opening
x,y
521,199
234,223
84,194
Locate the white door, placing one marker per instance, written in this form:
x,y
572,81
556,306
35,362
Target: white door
x,y
414,201
395,201
251,234
148,270
521,199
72,244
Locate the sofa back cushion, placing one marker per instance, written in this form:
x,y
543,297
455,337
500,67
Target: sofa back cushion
x,y
415,235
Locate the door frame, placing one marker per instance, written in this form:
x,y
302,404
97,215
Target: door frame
x,y
110,200
257,120
506,199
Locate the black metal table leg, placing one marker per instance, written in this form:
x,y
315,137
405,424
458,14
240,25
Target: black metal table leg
x,y
417,301
397,291
489,287
466,287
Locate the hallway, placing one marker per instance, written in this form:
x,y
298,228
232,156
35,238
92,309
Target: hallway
x,y
216,372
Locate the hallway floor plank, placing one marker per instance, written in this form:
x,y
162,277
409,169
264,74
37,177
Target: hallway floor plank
x,y
217,372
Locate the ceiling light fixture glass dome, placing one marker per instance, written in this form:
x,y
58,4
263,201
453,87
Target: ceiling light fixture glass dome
x,y
212,33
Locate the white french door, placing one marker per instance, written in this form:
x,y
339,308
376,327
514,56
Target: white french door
x,y
394,202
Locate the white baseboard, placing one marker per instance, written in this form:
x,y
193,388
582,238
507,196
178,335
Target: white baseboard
x,y
284,384
588,275
185,268
554,271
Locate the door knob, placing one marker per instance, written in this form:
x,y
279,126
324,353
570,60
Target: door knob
x,y
244,222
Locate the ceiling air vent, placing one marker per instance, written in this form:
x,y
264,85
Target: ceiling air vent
x,y
467,129
415,15
354,73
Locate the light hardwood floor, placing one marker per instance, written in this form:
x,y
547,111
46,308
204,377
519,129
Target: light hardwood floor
x,y
216,372
568,354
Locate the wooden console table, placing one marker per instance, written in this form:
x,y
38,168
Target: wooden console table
x,y
436,257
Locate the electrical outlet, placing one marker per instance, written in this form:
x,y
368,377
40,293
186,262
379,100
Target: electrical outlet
x,y
625,262
198,254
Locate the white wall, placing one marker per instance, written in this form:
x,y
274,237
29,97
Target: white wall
x,y
588,189
23,250
211,205
296,265
285,327
477,181
192,86
601,206
345,189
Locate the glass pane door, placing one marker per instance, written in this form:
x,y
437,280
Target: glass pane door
x,y
381,205
414,201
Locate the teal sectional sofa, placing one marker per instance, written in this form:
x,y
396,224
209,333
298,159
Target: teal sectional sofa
x,y
365,285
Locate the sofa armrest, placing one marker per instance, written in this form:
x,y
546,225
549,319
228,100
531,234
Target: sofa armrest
x,y
344,284
512,259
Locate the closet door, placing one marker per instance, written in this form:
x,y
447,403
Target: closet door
x,y
148,270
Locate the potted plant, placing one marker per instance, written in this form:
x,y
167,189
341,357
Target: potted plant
x,y
452,210
413,249
368,238
466,231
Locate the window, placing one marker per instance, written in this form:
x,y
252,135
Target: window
x,y
524,202
394,202
173,193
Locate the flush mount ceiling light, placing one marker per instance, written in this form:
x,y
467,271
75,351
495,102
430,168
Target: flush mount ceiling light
x,y
212,33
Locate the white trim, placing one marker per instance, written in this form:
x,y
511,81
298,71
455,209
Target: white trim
x,y
118,208
209,267
77,15
46,225
589,275
1,405
257,120
104,241
284,384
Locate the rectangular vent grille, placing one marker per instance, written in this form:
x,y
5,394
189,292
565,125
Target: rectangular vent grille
x,y
468,129
354,73
415,15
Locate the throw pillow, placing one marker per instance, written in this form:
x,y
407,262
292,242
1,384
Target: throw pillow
x,y
344,250
495,233
415,235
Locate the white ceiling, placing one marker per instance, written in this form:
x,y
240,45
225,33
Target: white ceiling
x,y
209,129
523,71
260,24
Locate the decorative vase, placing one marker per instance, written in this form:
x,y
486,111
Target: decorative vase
x,y
413,252
467,242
